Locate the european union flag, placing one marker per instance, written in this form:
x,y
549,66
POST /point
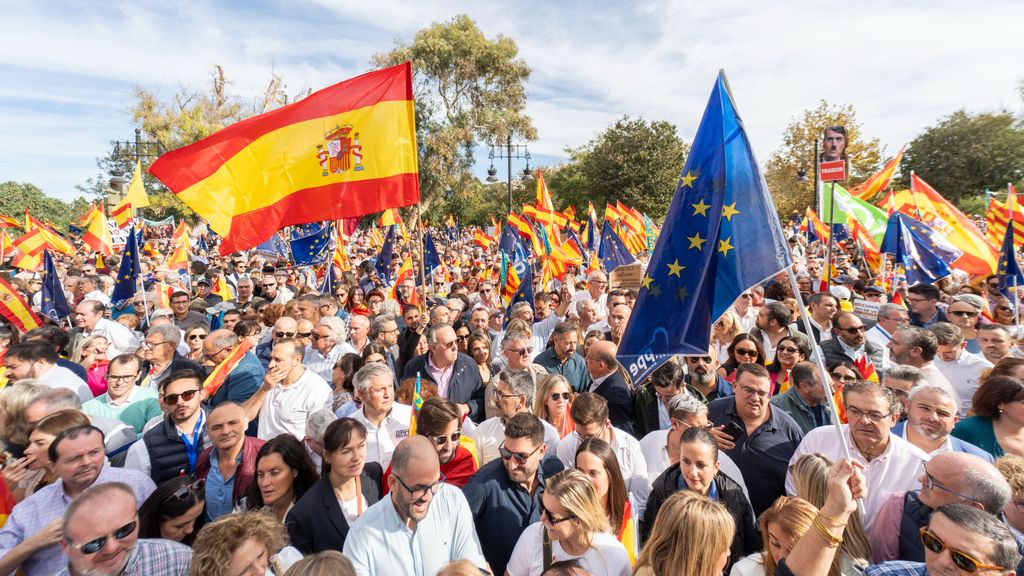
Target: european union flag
x,y
431,256
914,245
1010,276
274,247
127,281
330,283
524,293
383,264
54,304
841,232
613,252
512,245
312,248
721,236
75,230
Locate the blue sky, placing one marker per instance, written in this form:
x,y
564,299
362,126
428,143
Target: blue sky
x,y
67,68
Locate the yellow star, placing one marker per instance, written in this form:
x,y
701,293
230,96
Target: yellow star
x,y
646,282
700,208
724,246
696,241
729,210
674,269
687,180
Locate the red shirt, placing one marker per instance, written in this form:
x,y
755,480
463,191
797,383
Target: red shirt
x,y
457,472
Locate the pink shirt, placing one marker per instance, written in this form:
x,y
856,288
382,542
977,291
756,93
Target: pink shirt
x,y
443,376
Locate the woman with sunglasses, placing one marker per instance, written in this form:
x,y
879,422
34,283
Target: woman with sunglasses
x,y
552,402
842,372
284,472
743,350
194,338
174,511
596,459
789,352
349,485
1002,313
572,525
723,331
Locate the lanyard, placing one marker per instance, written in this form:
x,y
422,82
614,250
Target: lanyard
x,y
191,445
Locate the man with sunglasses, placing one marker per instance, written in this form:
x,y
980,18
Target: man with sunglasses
x,y
327,345
917,347
438,420
172,448
513,394
702,378
805,401
516,351
505,495
100,535
849,343
423,526
286,327
28,539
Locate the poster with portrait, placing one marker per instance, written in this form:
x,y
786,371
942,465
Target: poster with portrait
x,y
833,164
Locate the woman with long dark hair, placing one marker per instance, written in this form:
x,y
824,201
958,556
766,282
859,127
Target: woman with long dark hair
x,y
743,350
284,472
596,459
174,511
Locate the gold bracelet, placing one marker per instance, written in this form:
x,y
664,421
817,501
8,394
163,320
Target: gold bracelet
x,y
831,539
833,521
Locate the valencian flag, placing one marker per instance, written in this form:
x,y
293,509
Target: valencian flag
x,y
15,310
127,280
220,373
1010,276
912,245
721,236
53,302
342,152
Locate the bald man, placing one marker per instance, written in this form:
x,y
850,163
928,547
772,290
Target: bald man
x,y
609,383
284,328
379,543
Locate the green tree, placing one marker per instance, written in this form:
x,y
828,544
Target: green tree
x,y
965,153
16,197
633,160
796,154
469,90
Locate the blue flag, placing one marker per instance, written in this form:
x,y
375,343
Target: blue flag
x,y
841,232
383,265
613,252
914,245
330,283
312,248
274,247
127,281
511,245
1010,276
53,302
524,293
431,257
722,235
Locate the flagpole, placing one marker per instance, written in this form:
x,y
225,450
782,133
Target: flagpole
x,y
1010,200
145,304
819,359
419,242
831,234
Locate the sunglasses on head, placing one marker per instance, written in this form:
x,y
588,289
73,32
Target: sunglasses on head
x,y
187,396
961,559
94,546
454,437
183,492
563,395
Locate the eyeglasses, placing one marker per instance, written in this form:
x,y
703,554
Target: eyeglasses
x,y
197,337
961,559
274,285
745,352
440,440
545,513
124,378
754,391
855,329
316,337
964,313
1004,308
790,349
871,415
932,484
94,546
284,334
521,352
183,492
461,338
502,395
148,344
841,378
422,491
187,396
520,457
686,426
564,396
916,300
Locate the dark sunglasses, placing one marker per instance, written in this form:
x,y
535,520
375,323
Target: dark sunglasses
x,y
521,458
961,559
439,440
964,313
855,329
183,492
284,334
564,396
187,395
94,546
744,352
305,334
789,349
842,378
197,337
551,519
316,336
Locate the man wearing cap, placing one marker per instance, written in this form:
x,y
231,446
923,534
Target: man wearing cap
x,y
203,286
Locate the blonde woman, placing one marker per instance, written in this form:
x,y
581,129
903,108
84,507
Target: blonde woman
x,y
13,399
552,401
691,537
781,526
572,525
810,479
243,543
723,331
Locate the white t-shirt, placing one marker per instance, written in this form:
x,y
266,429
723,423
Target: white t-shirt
x,y
351,509
285,409
605,557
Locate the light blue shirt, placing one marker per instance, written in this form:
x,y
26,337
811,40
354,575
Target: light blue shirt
x,y
219,492
380,543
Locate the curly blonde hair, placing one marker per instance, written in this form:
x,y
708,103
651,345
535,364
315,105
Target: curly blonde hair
x,y
216,542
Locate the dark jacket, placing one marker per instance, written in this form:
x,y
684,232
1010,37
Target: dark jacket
x,y
834,352
262,352
246,471
179,362
316,522
167,454
792,404
465,387
730,495
620,404
645,411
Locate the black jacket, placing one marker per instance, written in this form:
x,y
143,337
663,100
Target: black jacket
x,y
620,404
316,523
465,387
168,457
645,411
730,495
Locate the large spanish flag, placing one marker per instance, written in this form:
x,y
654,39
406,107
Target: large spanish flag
x,y
879,181
15,310
345,151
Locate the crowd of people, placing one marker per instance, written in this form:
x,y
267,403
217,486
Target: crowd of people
x,y
435,430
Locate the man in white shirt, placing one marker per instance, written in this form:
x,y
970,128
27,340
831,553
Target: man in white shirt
x,y
746,312
89,317
386,421
37,359
589,412
962,368
327,345
917,347
891,464
91,286
289,394
513,393
891,317
597,283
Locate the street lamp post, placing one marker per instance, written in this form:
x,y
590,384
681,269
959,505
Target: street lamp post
x,y
510,151
136,149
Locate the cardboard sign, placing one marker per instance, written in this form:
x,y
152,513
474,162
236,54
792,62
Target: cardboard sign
x,y
866,309
833,171
626,277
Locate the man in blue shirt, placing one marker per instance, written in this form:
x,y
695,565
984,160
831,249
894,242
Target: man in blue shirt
x,y
562,357
504,495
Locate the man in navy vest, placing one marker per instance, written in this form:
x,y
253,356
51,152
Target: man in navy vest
x,y
171,448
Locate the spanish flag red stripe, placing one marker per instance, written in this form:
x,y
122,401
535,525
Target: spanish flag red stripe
x,y
14,308
220,373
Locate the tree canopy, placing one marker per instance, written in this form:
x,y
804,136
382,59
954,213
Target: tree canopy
x,y
16,197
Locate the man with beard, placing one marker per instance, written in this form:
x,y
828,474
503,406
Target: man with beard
x,y
931,415
100,535
439,421
423,526
504,496
34,526
890,463
702,378
172,448
805,401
